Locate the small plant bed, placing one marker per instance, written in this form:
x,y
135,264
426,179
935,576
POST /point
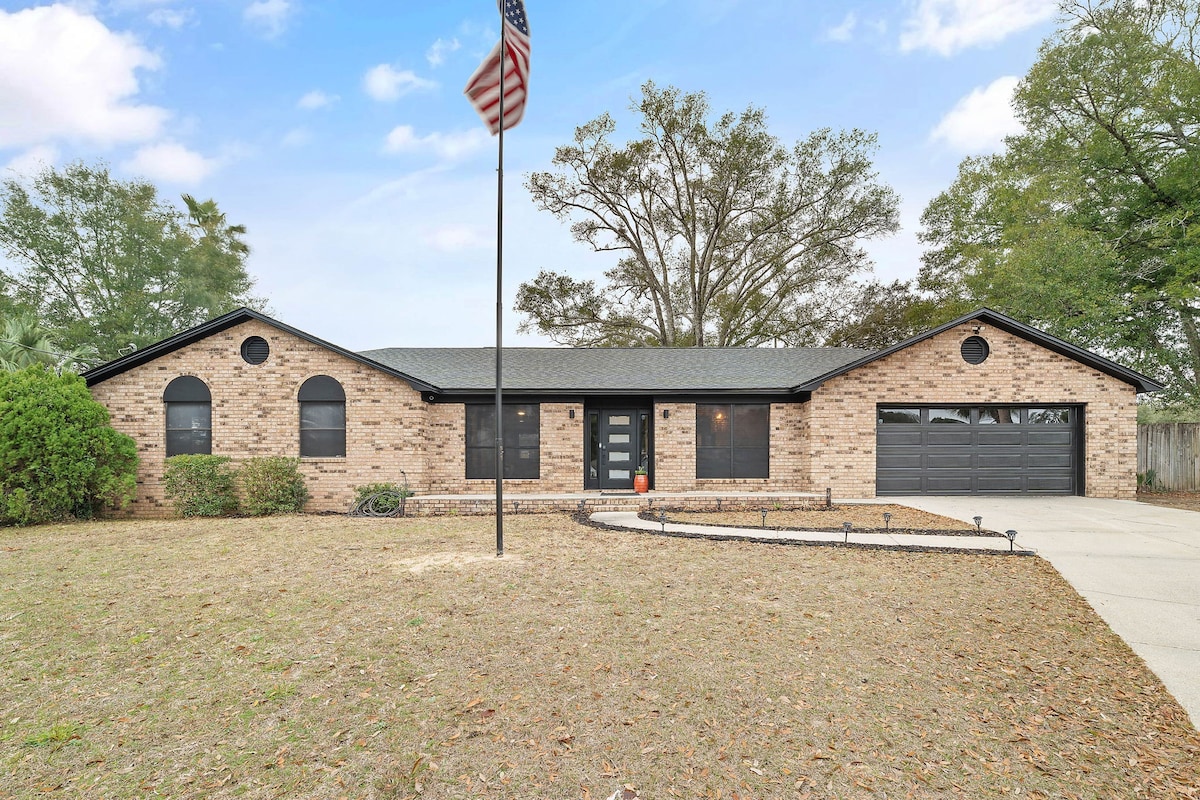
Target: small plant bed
x,y
866,518
1188,501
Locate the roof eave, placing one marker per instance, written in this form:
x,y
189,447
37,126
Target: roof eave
x,y
147,354
1142,383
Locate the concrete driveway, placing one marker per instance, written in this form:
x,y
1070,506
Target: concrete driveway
x,y
1138,565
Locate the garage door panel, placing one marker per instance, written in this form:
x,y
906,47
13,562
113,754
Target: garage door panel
x,y
1001,460
949,460
901,437
1028,455
953,437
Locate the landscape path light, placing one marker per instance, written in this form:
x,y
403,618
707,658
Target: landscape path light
x,y
978,524
662,519
887,521
846,531
764,517
1011,534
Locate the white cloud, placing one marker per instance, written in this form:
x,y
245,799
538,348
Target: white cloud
x,y
174,18
170,162
844,30
979,122
270,17
33,160
316,99
448,146
296,137
64,75
436,54
457,238
947,26
385,83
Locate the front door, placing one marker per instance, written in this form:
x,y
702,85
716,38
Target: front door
x,y
617,445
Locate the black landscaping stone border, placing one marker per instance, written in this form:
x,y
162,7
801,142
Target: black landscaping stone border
x,y
586,520
651,516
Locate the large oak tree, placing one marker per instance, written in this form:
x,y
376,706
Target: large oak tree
x,y
725,237
1087,225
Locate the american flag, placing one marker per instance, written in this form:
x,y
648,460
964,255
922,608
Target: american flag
x,y
483,90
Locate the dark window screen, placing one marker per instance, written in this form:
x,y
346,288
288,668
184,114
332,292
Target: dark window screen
x,y
522,441
322,418
189,417
733,440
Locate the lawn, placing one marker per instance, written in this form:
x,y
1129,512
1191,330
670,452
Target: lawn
x,y
325,657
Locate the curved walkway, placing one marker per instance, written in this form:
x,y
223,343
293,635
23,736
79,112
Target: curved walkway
x,y
906,541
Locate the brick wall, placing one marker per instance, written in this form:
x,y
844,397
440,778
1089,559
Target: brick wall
x,y
255,413
842,412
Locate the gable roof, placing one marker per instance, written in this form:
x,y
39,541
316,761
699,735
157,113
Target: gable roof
x,y
634,370
987,316
623,370
224,322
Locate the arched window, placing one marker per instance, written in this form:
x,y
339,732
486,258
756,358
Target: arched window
x,y
322,418
189,417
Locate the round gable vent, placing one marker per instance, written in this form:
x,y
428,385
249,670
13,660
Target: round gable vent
x,y
975,350
255,350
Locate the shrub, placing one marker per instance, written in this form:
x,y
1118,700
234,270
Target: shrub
x,y
271,486
59,457
200,485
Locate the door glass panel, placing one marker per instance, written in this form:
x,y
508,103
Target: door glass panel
x,y
618,474
999,416
593,446
1049,416
961,416
618,438
618,419
891,416
644,435
617,455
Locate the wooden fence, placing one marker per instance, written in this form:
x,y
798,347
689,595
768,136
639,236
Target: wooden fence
x,y
1169,456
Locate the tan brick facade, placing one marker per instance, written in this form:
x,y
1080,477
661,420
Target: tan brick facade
x,y
842,412
393,433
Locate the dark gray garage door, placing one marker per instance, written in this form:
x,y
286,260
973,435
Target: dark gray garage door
x,y
977,450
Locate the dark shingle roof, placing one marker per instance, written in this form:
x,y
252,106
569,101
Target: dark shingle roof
x,y
618,370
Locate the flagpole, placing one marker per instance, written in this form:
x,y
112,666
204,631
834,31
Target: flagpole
x,y
500,306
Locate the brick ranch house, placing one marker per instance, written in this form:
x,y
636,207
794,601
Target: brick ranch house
x,y
980,405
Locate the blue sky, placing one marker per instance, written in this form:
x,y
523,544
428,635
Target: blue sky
x,y
337,132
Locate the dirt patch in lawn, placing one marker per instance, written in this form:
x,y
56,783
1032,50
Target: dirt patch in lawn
x,y
1189,501
863,516
292,657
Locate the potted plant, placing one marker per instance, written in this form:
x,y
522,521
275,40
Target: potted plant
x,y
641,482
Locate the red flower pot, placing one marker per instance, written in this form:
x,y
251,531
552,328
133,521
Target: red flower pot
x,y
641,483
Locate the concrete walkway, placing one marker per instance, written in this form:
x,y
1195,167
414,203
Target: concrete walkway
x,y
630,519
1138,565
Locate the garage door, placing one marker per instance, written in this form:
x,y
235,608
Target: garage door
x,y
977,450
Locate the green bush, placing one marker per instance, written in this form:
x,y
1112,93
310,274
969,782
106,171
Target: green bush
x,y
271,486
201,485
59,457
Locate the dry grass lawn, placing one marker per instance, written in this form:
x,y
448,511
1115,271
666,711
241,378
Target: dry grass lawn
x,y
323,657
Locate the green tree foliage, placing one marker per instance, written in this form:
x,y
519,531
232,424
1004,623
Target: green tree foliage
x,y
23,343
59,457
725,236
1087,224
879,315
104,263
200,485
